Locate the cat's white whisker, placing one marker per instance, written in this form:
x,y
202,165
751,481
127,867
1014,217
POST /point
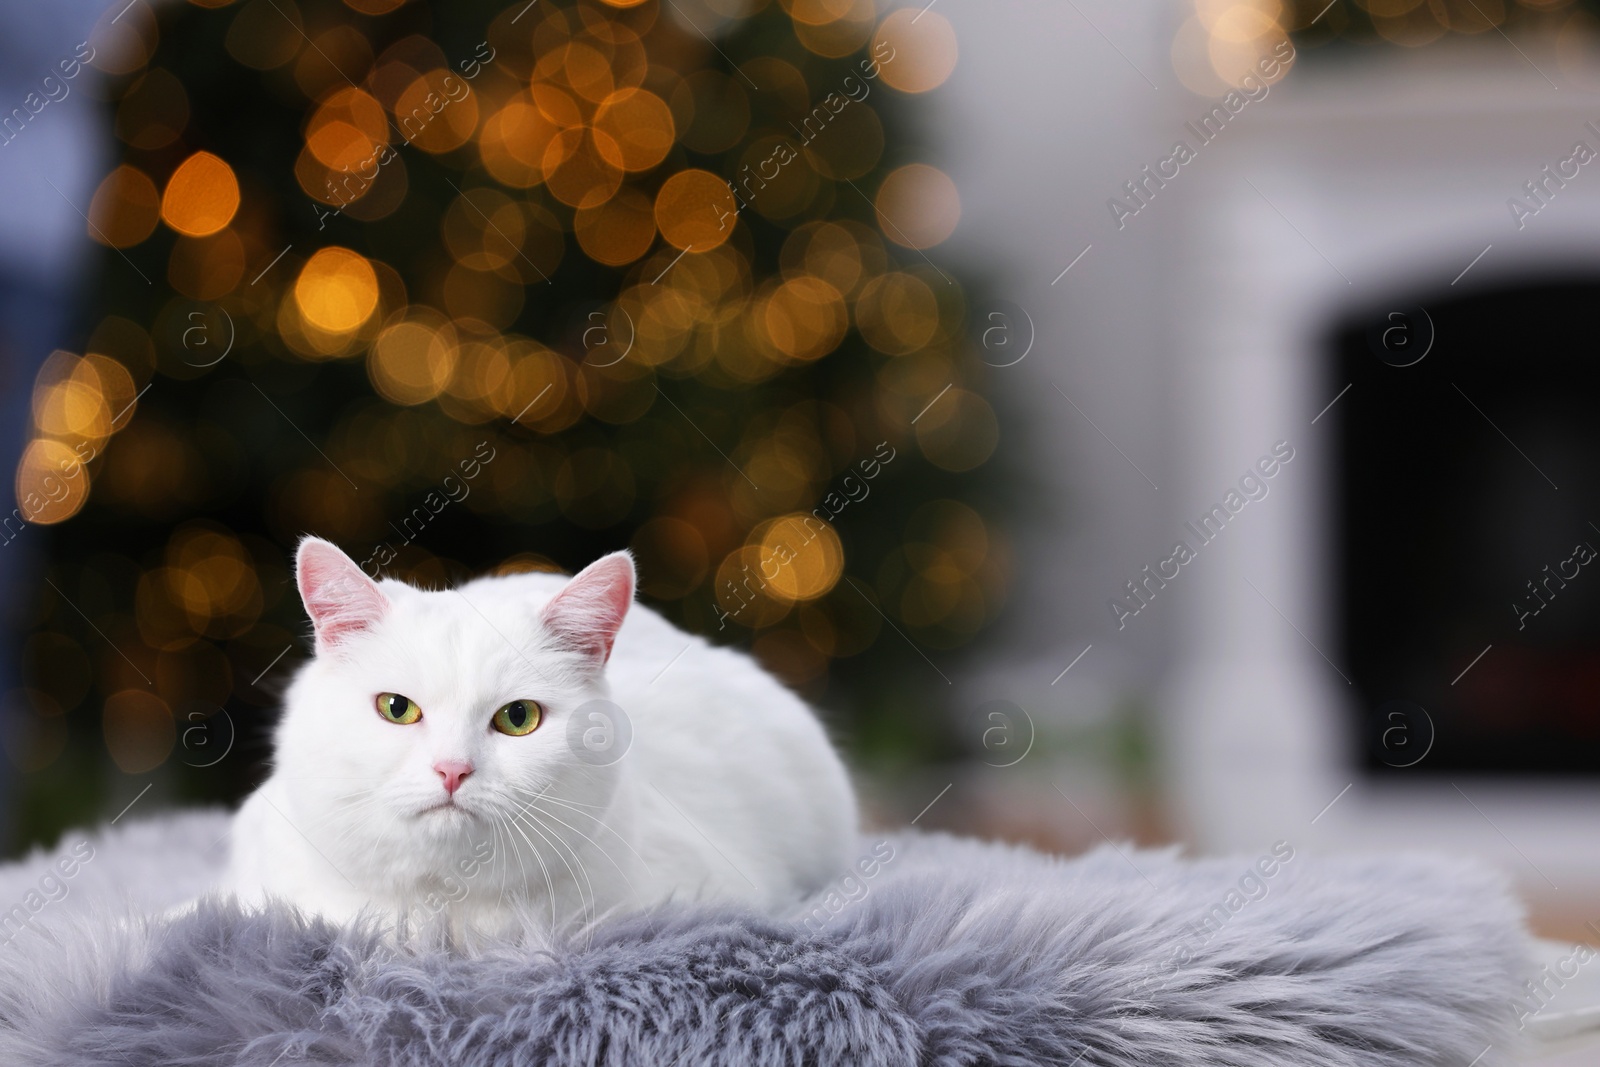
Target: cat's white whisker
x,y
586,837
571,804
549,885
579,811
511,847
504,868
554,838
592,903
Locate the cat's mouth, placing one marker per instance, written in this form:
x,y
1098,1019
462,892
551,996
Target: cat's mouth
x,y
444,806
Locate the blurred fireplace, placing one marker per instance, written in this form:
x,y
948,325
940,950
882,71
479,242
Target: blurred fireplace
x,y
1392,550
1466,494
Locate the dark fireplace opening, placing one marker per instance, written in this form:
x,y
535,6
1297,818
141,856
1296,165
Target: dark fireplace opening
x,y
1466,481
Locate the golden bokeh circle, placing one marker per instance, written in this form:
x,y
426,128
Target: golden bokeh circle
x,y
339,146
114,384
918,206
52,483
896,313
125,208
513,143
337,289
577,167
695,210
69,399
201,197
915,51
802,558
827,250
557,105
412,360
805,318
1237,61
587,72
741,592
356,109
210,574
638,127
1234,19
438,128
618,231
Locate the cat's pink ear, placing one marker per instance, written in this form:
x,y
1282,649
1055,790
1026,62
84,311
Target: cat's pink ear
x,y
341,600
586,615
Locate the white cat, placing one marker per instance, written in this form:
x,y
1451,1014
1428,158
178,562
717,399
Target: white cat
x,y
456,752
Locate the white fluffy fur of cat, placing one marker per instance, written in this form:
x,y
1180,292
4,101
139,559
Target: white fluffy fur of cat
x,y
729,790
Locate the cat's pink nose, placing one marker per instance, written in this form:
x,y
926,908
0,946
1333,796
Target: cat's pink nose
x,y
454,772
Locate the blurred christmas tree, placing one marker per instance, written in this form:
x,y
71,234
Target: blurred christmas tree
x,y
468,286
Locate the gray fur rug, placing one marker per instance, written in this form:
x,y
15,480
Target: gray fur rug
x,y
949,952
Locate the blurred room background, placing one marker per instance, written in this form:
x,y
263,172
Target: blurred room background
x,y
1186,410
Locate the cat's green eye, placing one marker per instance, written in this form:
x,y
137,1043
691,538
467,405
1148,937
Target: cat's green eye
x,y
398,709
518,718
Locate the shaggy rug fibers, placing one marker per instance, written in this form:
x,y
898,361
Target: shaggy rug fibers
x,y
948,952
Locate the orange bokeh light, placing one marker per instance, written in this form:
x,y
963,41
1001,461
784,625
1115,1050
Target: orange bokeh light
x,y
695,209
577,169
125,208
437,112
639,129
52,483
513,144
202,196
801,556
618,231
918,206
805,318
337,290
922,49
339,145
